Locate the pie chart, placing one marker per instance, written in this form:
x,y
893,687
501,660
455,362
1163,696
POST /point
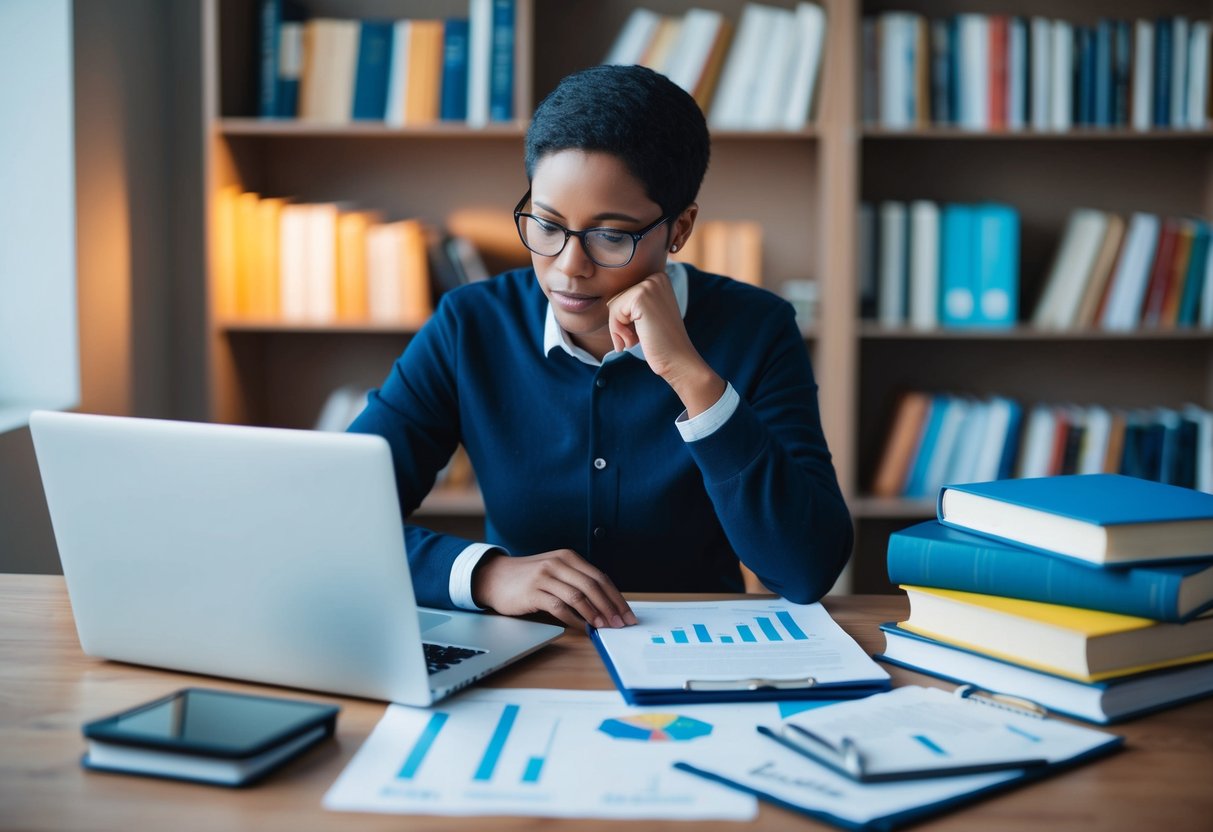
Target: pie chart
x,y
655,728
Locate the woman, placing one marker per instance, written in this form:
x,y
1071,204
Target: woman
x,y
635,424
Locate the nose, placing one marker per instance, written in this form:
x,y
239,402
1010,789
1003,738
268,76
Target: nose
x,y
573,260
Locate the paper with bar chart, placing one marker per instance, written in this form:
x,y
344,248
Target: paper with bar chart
x,y
729,640
554,753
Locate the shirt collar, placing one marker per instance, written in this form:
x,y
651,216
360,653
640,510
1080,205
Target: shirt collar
x,y
556,338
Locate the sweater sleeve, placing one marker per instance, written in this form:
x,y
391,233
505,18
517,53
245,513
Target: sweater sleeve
x,y
417,411
769,475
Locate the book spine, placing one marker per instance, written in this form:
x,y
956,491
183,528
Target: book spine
x,y
1003,571
371,75
501,62
454,103
271,23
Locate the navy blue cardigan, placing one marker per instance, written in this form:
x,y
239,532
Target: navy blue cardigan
x,y
663,515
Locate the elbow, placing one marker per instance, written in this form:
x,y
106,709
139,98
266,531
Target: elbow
x,y
827,556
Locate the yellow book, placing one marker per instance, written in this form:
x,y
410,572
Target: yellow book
x,y
1082,644
266,288
423,84
246,252
223,252
351,264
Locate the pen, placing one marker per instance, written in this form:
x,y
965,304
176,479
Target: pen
x,y
851,757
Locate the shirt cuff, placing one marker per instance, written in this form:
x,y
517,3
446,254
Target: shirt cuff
x,y
461,575
708,422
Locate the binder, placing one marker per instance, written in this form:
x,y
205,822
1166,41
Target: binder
x,y
788,778
853,676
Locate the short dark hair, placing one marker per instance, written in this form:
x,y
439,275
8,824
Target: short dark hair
x,y
638,115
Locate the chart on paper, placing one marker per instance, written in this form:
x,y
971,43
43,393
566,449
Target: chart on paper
x,y
553,753
730,640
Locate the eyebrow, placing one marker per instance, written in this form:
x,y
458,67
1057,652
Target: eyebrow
x,y
608,215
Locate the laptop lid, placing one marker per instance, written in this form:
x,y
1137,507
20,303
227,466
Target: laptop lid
x,y
255,553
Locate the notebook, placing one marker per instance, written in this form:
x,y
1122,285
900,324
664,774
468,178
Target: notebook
x,y
261,554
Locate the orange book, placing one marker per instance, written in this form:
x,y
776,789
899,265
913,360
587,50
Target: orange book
x,y
1061,431
658,50
745,252
1101,273
223,252
424,78
266,289
904,435
1179,275
351,264
705,87
716,247
1116,443
1160,273
398,274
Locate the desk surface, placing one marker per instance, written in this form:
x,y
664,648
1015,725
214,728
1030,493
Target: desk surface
x,y
48,689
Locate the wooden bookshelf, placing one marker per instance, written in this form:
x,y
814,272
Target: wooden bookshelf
x,y
803,186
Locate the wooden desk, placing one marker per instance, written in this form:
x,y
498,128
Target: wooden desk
x,y
48,689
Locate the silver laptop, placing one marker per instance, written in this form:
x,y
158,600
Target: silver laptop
x,y
254,553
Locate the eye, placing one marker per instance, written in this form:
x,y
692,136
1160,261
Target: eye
x,y
546,227
614,238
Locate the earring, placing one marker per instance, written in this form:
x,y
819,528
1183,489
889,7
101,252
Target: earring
x,y
674,247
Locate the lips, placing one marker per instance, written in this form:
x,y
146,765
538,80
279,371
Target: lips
x,y
573,301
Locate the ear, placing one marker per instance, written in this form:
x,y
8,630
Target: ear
x,y
682,227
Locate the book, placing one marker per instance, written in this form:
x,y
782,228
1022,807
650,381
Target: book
x,y
1100,273
1074,642
454,95
207,736
326,91
923,299
373,70
1104,702
1122,308
633,38
480,48
1097,518
1143,75
1071,269
806,70
933,555
957,300
501,62
892,251
996,275
904,438
280,58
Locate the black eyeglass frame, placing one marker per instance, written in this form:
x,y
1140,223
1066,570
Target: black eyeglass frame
x,y
636,236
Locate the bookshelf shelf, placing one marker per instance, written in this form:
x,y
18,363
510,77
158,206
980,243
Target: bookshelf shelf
x,y
804,187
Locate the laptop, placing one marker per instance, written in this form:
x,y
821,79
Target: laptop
x,y
261,554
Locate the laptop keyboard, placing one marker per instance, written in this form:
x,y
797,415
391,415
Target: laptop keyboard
x,y
439,657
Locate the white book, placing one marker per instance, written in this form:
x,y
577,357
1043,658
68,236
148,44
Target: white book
x,y
1198,75
993,440
293,226
924,265
1061,96
1206,296
691,50
1042,72
398,74
1143,75
740,66
1123,307
768,97
320,298
811,29
1037,442
1179,72
480,49
633,38
891,298
1204,445
1095,440
896,62
973,34
384,292
945,444
1017,73
1071,269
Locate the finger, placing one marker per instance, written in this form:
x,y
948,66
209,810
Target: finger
x,y
557,608
592,585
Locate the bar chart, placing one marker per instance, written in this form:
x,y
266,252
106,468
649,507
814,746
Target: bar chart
x,y
760,629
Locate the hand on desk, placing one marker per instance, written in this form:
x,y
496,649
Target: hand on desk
x,y
560,583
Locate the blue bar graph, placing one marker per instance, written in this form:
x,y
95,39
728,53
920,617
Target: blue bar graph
x,y
658,640
701,633
791,626
726,639
493,753
413,762
768,629
745,632
680,636
533,767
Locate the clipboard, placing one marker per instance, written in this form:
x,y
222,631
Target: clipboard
x,y
866,677
786,777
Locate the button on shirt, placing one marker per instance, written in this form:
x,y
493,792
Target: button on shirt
x,y
555,340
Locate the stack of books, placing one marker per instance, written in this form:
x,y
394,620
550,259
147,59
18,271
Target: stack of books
x,y
1089,595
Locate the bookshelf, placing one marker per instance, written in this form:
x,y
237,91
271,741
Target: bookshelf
x,y
804,187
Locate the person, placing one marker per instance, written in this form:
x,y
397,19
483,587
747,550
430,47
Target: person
x,y
635,424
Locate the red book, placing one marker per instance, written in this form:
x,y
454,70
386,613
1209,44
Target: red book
x,y
1061,430
998,71
1160,273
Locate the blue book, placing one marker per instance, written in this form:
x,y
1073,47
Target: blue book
x,y
1098,519
1162,72
917,478
453,104
957,301
1010,447
373,70
934,555
1084,43
501,62
1194,282
280,24
1122,72
996,239
1103,84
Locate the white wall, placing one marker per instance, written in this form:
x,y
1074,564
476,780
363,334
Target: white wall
x,y
39,363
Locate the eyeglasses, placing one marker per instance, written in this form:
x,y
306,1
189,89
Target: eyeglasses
x,y
610,248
